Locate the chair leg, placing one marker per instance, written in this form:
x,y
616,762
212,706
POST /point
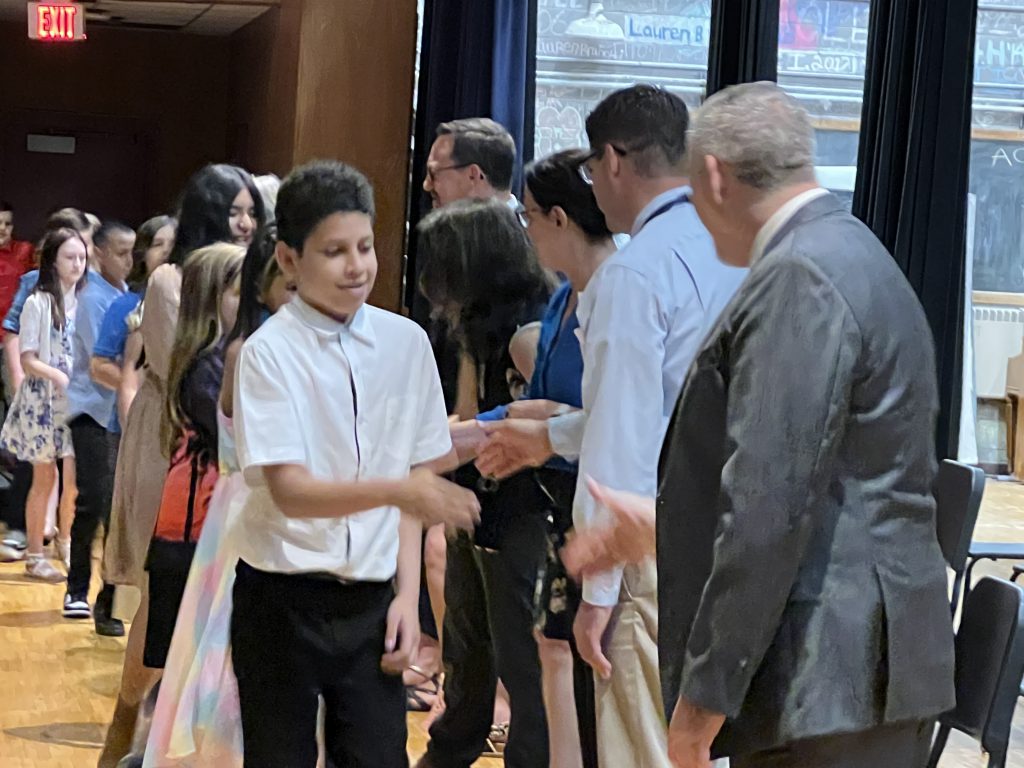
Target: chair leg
x,y
938,745
971,562
958,583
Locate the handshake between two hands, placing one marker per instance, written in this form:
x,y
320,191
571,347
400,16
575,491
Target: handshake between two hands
x,y
503,448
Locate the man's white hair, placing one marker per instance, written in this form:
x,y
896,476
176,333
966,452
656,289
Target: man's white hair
x,y
757,129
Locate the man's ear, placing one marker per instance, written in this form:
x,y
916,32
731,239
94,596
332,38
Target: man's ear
x,y
717,183
616,162
287,259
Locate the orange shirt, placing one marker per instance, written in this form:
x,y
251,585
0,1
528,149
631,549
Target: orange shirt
x,y
16,258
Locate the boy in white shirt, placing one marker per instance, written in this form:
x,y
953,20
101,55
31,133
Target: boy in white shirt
x,y
339,407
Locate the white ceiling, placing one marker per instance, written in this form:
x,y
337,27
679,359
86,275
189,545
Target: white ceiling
x,y
220,17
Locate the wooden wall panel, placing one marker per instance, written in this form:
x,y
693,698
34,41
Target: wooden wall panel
x,y
356,64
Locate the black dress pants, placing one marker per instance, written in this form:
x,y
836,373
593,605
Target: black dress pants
x,y
295,638
95,462
903,745
488,633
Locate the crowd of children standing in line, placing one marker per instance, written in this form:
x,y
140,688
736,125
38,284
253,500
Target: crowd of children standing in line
x,y
264,453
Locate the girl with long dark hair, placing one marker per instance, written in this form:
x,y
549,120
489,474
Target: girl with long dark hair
x,y
220,204
481,274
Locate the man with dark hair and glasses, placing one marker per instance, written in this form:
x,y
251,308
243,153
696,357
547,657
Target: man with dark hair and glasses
x,y
642,319
471,158
474,157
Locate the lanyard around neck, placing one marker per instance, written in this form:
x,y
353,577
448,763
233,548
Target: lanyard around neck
x,y
663,209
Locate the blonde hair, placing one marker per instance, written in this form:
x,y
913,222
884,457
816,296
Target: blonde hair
x,y
206,275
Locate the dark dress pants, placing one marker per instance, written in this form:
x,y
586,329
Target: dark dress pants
x,y
295,638
488,633
95,461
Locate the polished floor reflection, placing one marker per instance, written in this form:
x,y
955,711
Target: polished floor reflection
x,y
58,680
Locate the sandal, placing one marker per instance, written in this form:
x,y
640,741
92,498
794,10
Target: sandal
x,y
420,697
496,740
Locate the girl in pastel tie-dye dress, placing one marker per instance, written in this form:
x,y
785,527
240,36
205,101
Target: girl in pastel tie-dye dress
x,y
197,722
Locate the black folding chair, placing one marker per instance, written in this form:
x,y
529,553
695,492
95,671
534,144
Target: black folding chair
x,y
990,550
989,667
958,492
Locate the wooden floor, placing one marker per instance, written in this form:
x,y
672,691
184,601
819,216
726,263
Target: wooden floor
x,y
58,680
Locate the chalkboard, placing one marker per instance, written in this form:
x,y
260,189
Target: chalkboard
x,y
997,179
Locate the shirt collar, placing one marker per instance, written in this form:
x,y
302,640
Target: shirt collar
x,y
358,326
96,277
780,218
665,198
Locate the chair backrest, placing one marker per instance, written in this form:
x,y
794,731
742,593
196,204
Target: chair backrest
x,y
958,492
989,663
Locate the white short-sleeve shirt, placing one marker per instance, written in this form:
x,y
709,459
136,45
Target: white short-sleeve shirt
x,y
352,401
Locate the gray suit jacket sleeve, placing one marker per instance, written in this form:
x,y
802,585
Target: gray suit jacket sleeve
x,y
792,350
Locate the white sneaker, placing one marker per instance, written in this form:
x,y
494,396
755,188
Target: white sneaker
x,y
10,554
64,553
39,568
76,608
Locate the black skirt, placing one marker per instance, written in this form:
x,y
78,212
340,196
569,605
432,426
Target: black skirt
x,y
168,564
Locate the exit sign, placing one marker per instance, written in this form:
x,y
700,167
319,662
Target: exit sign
x,y
56,22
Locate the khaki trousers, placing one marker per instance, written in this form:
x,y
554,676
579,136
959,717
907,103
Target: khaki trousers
x,y
631,726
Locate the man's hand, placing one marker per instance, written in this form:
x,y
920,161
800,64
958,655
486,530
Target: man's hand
x,y
590,629
538,410
433,500
690,735
629,539
402,639
513,445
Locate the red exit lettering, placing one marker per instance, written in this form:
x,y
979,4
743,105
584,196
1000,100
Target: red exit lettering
x,y
56,22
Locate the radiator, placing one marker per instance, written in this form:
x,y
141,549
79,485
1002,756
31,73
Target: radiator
x,y
998,336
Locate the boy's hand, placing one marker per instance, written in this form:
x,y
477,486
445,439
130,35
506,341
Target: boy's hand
x,y
433,500
61,380
402,639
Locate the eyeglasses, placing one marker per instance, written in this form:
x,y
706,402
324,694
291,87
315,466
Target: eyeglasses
x,y
584,169
523,213
432,173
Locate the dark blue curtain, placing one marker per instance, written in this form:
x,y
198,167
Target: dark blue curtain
x,y
744,46
477,59
914,162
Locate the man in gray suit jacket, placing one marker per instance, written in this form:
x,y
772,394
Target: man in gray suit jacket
x,y
804,612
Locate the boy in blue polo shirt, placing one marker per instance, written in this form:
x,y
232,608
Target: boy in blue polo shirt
x,y
91,411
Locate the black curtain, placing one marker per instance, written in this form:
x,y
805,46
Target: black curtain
x,y
913,166
477,59
744,46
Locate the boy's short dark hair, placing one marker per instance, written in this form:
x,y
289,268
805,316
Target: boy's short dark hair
x,y
6,207
108,229
648,123
314,191
481,141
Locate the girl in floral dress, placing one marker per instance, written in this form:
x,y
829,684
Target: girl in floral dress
x,y
36,429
